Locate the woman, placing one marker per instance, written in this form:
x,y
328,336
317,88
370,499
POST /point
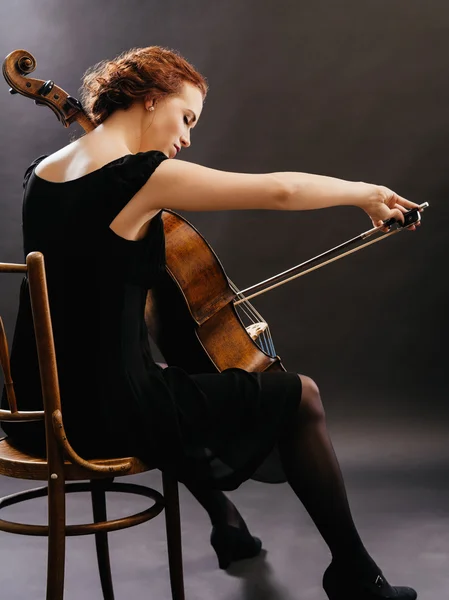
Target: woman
x,y
94,209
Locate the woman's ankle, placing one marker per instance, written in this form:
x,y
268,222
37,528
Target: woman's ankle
x,y
356,561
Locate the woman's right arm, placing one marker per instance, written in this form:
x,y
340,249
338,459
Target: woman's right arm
x,y
181,185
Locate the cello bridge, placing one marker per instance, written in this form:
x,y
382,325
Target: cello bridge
x,y
255,329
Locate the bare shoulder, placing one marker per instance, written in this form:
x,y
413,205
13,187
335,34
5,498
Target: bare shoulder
x,y
182,185
54,166
73,161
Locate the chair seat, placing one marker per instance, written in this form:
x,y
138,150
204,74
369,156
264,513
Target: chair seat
x,y
23,465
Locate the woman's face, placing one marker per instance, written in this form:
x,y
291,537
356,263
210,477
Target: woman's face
x,y
172,119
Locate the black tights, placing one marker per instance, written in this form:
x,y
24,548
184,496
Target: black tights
x,y
218,506
314,474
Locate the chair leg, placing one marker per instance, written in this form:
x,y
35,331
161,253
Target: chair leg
x,y
173,526
56,540
101,539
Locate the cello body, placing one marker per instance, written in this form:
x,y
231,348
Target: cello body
x,y
190,313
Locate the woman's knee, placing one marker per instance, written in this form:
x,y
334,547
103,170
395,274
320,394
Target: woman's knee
x,y
311,406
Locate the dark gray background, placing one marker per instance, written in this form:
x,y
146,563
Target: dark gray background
x,y
357,90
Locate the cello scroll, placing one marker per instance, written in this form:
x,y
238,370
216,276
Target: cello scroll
x,y
16,68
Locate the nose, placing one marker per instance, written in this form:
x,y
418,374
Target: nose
x,y
185,141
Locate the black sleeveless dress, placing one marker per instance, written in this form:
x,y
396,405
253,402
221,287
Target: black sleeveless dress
x,y
214,429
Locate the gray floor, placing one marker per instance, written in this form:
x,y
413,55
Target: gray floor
x,y
399,492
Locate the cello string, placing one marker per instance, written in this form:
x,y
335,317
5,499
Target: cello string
x,y
248,307
254,316
266,334
326,262
249,311
269,341
245,307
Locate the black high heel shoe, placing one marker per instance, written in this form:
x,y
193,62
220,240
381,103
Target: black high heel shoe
x,y
340,585
233,543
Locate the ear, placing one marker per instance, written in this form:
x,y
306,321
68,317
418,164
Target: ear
x,y
148,101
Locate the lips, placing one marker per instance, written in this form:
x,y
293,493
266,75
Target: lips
x,y
177,148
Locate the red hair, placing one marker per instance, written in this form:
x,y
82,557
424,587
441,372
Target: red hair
x,y
115,84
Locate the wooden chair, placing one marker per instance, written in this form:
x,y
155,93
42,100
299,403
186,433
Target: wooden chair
x,y
64,468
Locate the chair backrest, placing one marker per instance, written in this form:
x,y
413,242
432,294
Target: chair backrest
x,y
58,446
37,284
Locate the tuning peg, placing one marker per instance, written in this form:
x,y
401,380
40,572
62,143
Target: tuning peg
x,y
74,102
11,91
46,88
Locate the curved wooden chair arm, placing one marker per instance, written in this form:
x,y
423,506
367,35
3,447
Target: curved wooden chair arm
x,y
61,437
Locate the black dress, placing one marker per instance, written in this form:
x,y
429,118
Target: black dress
x,y
215,429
